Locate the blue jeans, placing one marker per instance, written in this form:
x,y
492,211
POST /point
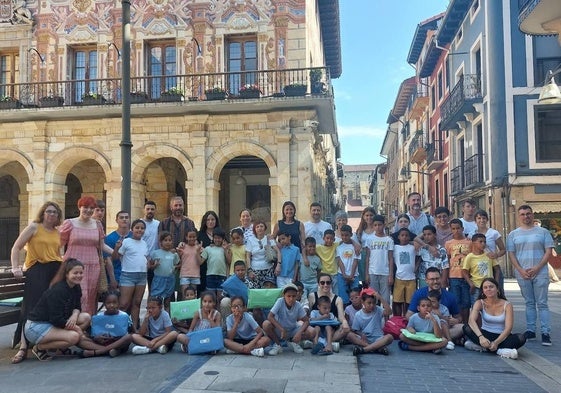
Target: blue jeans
x,y
534,292
342,287
460,288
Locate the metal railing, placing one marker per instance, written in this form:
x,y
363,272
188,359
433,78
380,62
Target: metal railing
x,y
416,143
434,152
467,88
314,81
473,170
457,179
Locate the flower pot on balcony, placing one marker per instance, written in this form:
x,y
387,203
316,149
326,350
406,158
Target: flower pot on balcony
x,y
93,101
215,96
10,104
50,102
167,97
139,98
295,90
250,94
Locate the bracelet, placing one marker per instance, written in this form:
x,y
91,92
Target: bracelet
x,y
481,335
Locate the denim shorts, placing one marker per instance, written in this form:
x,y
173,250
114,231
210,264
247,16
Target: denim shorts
x,y
36,331
132,279
189,280
214,282
460,288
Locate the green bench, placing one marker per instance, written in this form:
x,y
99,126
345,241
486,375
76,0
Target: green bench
x,y
11,293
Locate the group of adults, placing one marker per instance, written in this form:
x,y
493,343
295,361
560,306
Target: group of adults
x,y
529,249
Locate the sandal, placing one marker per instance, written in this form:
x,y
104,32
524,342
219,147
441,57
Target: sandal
x,y
323,352
383,351
403,346
114,353
20,356
41,354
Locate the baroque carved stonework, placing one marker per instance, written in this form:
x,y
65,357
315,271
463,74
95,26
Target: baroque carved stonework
x,y
81,5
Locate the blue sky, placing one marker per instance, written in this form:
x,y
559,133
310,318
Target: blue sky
x,y
375,40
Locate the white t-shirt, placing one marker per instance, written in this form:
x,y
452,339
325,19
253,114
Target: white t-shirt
x,y
133,255
469,226
151,234
316,230
257,249
346,253
404,259
379,252
492,235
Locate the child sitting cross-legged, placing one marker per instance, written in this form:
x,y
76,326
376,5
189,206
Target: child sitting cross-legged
x,y
441,311
367,335
288,320
243,334
324,323
156,333
424,321
207,317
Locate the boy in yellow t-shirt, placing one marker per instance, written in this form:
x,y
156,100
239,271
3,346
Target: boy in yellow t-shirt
x,y
477,266
326,254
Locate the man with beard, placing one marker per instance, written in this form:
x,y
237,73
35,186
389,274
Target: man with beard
x,y
316,227
178,225
151,233
417,219
432,277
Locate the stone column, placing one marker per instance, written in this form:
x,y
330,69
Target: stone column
x,y
303,166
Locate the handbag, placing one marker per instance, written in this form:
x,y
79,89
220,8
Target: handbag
x,y
102,284
206,340
270,254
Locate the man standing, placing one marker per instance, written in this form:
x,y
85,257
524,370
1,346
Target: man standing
x,y
316,226
177,224
151,233
123,231
529,248
417,219
468,216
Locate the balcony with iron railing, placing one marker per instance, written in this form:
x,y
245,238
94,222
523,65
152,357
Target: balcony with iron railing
x,y
417,152
539,17
460,101
474,171
156,89
419,101
457,180
434,155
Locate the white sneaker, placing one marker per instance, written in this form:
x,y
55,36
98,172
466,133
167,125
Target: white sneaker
x,y
230,352
162,349
259,352
450,346
295,347
307,344
473,346
274,350
510,353
335,346
140,350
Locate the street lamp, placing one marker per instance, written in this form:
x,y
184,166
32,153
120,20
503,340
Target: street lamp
x,y
550,93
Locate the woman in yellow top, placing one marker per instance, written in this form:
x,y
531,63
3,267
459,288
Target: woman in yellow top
x,y
41,240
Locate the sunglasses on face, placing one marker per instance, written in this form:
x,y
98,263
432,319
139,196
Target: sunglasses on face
x,y
325,282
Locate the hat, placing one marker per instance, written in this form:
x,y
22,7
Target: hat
x,y
289,286
368,291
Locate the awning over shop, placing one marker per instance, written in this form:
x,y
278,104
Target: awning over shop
x,y
545,207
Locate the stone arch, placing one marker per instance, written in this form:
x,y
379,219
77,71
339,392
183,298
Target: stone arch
x,y
225,153
11,155
63,161
146,154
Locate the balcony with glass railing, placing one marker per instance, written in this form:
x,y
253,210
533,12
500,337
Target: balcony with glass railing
x,y
460,101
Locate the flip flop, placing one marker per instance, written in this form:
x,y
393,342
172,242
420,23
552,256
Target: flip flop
x,y
403,346
317,348
20,356
325,353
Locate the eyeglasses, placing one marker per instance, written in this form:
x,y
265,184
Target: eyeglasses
x,y
51,212
237,306
325,283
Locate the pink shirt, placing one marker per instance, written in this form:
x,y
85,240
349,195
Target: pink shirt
x,y
189,264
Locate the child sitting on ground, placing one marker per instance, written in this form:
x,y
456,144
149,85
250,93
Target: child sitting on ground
x,y
110,330
288,320
423,321
156,333
367,335
442,312
324,322
182,325
354,307
243,334
207,317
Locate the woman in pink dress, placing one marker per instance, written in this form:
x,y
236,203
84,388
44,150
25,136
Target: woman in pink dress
x,y
83,236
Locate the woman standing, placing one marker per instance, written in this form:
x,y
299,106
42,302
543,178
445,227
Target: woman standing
x,y
57,322
497,318
209,221
42,242
259,268
341,218
246,225
289,224
83,237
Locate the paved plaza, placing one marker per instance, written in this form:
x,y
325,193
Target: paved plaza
x,y
538,369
